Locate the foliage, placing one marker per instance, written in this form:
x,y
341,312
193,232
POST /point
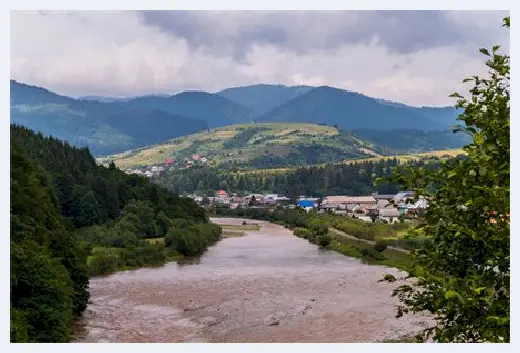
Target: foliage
x,y
324,240
319,181
302,232
463,273
48,273
70,219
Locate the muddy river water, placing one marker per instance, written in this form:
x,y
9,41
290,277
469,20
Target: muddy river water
x,y
268,286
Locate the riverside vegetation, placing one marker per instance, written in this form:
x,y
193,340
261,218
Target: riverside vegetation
x,y
71,219
373,241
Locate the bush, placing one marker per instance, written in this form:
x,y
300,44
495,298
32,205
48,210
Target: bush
x,y
103,261
324,240
302,232
380,246
371,254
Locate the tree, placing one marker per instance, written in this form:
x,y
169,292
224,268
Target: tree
x,y
462,274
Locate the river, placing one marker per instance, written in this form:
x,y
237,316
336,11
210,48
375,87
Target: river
x,y
268,286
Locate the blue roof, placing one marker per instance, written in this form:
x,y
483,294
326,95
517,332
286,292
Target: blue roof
x,y
305,203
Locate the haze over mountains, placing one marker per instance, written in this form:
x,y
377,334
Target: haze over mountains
x,y
113,124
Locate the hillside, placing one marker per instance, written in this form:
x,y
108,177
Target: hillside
x,y
350,110
103,127
257,145
270,145
263,98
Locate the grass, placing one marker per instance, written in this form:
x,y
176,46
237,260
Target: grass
x,y
155,240
240,227
232,234
276,139
353,248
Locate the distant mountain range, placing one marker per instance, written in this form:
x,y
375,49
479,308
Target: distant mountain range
x,y
109,125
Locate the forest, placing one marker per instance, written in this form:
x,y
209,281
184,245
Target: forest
x,y
319,181
71,219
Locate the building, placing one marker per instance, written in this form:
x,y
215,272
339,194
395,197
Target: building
x,y
221,193
390,214
352,204
380,197
305,203
168,161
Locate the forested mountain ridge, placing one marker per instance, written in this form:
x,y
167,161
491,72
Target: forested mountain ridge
x,y
109,125
71,219
263,98
351,110
103,127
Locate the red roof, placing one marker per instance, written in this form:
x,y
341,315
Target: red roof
x,y
221,192
168,161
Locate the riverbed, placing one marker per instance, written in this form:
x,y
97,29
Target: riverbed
x,y
267,286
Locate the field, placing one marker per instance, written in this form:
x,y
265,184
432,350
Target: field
x,y
245,142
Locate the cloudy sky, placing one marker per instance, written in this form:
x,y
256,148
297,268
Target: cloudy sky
x,y
414,57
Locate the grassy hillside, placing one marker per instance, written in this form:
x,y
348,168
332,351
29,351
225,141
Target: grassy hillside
x,y
259,145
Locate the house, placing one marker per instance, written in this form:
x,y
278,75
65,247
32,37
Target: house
x,y
221,193
305,203
403,196
168,161
273,199
381,197
257,197
390,214
148,174
349,203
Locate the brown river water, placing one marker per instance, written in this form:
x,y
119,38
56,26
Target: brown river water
x,y
268,286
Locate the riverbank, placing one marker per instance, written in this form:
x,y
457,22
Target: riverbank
x,y
268,286
348,245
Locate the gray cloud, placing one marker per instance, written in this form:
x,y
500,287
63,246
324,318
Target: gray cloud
x,y
235,32
414,57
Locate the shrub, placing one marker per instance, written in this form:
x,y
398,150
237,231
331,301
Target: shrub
x,y
380,246
302,232
371,254
324,240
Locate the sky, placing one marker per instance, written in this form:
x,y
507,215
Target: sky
x,y
412,57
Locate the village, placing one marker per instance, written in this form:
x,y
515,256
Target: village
x,y
156,170
377,207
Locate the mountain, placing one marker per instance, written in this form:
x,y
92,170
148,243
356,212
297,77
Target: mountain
x,y
263,98
350,110
106,99
212,108
104,127
285,144
103,99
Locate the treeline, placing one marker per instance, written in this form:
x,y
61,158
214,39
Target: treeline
x,y
71,218
411,140
319,181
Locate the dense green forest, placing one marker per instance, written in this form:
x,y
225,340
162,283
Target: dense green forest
x,y
411,140
319,181
71,218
